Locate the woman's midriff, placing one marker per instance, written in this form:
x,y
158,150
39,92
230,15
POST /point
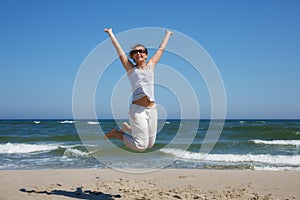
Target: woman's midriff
x,y
144,101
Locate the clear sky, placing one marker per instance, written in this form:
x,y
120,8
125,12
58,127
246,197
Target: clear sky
x,y
255,45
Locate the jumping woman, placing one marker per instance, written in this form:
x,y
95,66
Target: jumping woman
x,y
141,133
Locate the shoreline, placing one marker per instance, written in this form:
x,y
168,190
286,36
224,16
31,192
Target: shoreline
x,y
159,184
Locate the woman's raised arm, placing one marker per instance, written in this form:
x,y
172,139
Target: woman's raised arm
x,y
156,57
124,59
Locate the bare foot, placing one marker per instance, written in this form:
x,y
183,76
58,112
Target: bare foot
x,y
114,133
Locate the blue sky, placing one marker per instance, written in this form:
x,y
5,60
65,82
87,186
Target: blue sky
x,y
255,44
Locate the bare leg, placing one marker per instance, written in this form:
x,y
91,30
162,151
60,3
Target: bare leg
x,y
114,133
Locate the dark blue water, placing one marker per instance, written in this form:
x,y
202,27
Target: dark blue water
x,y
243,144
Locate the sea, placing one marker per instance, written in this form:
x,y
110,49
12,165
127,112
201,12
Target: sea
x,y
69,144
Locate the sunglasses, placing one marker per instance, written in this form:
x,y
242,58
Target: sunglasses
x,y
138,51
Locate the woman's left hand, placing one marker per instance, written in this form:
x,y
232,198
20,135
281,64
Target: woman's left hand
x,y
169,32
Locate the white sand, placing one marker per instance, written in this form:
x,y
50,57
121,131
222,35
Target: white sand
x,y
161,184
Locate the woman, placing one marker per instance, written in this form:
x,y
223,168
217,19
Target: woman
x,y
142,111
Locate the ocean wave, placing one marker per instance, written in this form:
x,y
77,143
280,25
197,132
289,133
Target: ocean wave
x,y
93,123
67,122
252,122
278,142
277,168
75,153
37,122
10,148
293,160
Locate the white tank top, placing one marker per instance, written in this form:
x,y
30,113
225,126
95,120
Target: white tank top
x,y
142,83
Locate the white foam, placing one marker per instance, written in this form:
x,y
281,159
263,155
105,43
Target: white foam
x,y
67,122
67,146
293,160
10,148
93,123
272,168
278,142
37,122
75,153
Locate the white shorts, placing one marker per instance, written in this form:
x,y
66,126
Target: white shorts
x,y
143,122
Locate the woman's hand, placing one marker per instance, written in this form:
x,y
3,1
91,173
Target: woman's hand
x,y
108,30
169,32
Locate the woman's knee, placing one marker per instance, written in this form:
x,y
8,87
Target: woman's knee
x,y
150,145
151,141
141,145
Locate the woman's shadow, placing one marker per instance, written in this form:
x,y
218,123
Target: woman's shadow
x,y
78,194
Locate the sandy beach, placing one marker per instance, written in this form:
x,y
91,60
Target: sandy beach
x,y
161,184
